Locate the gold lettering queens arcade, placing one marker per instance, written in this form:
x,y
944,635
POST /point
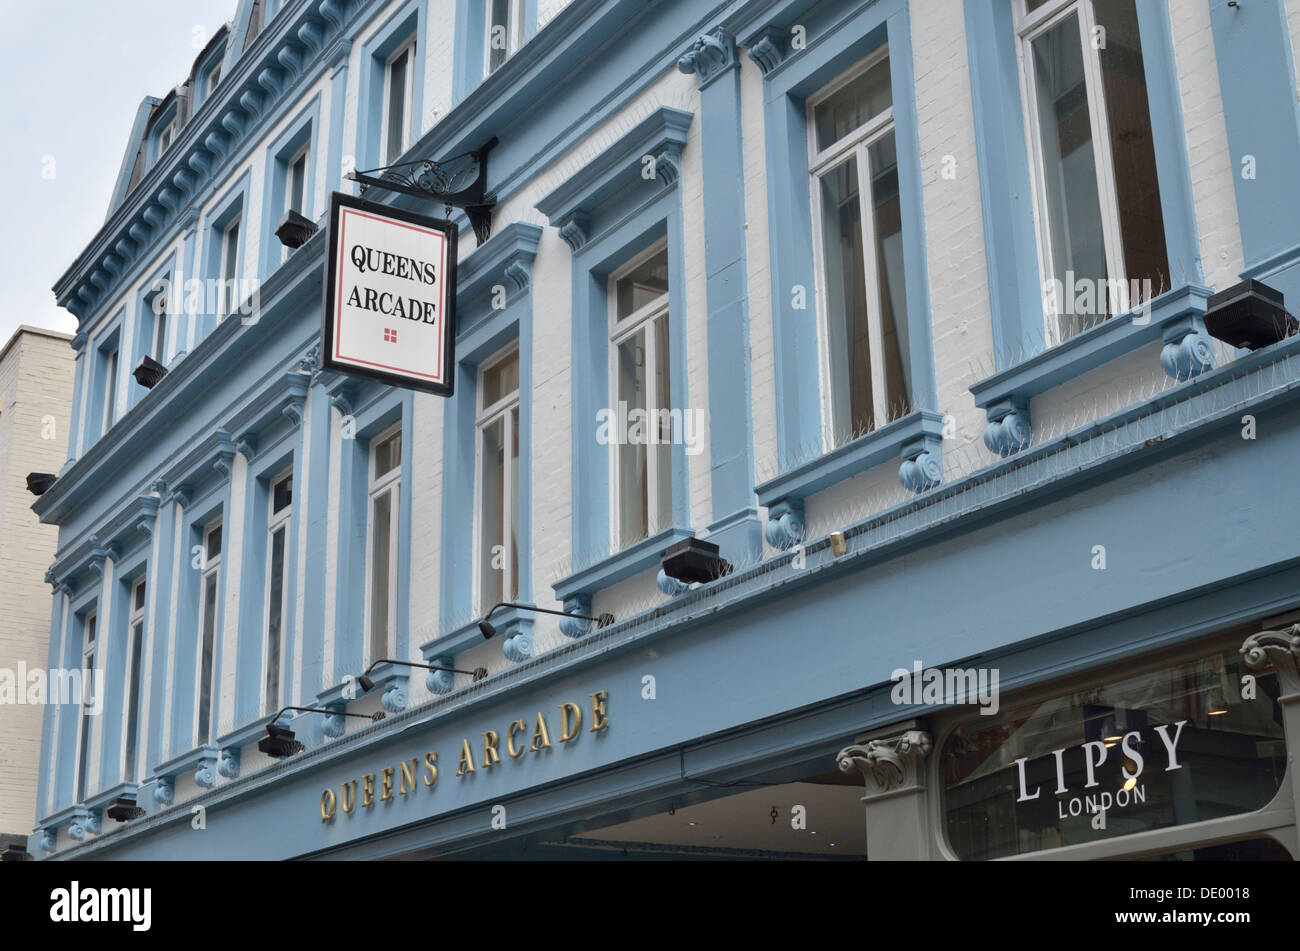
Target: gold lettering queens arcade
x,y
410,774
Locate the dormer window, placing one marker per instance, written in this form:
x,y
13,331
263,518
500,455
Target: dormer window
x,y
165,136
214,77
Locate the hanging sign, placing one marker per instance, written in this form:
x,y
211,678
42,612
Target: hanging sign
x,y
390,295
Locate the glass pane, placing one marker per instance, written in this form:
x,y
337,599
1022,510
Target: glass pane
x,y
91,623
662,423
397,105
1161,749
889,273
297,182
83,755
282,495
514,505
1262,849
133,699
160,336
846,301
852,105
1133,154
110,390
138,596
380,535
500,380
498,34
214,542
642,285
631,383
388,454
1069,170
275,619
492,496
205,663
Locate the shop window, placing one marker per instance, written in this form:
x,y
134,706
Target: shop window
x,y
382,536
135,638
1092,158
89,628
639,373
280,508
1177,745
1259,849
857,222
209,605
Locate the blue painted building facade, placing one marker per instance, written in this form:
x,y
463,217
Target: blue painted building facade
x,y
828,231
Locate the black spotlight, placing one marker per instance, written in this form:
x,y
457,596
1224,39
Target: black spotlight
x,y
279,742
366,683
486,627
15,853
479,673
1250,315
294,229
123,809
38,482
149,372
695,560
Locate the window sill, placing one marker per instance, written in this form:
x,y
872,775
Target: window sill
x,y
917,433
514,630
634,559
1176,318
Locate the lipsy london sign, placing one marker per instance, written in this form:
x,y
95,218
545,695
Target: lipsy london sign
x,y
390,295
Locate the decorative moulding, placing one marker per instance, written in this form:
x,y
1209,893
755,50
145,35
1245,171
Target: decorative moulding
x,y
1176,318
661,135
890,764
508,253
1281,650
710,56
632,560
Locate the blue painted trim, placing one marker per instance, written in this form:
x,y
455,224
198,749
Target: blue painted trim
x,y
133,143
312,518
159,284
409,19
109,338
156,125
338,117
1091,349
81,369
468,48
55,650
115,629
632,560
304,129
844,462
161,628
232,204
1257,81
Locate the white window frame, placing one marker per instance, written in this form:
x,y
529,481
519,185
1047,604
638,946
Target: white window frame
x,y
89,644
134,678
211,569
857,144
214,79
377,486
408,93
485,417
515,34
276,521
112,361
1030,26
303,155
229,272
619,330
165,136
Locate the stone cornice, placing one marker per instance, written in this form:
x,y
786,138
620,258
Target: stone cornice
x,y
710,56
509,249
662,134
889,764
263,79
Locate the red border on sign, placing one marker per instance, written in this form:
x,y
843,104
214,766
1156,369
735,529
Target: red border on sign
x,y
338,300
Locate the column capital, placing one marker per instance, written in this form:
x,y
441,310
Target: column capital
x,y
890,764
1279,650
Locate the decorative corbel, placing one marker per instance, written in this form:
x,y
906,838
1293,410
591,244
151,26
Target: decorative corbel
x,y
519,274
164,790
206,774
889,764
46,840
334,723
1008,428
769,48
441,681
246,445
573,229
785,523
1279,650
298,383
148,514
710,56
395,697
1188,351
572,626
922,466
228,764
225,453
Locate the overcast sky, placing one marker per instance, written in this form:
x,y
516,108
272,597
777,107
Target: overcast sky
x,y
72,73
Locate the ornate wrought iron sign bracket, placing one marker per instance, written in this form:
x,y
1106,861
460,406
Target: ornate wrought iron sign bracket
x,y
448,182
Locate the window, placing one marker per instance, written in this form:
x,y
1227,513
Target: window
x,y
399,78
505,32
498,492
381,541
296,182
254,24
165,137
639,354
88,627
135,636
859,247
229,270
1093,158
214,77
208,605
281,506
110,389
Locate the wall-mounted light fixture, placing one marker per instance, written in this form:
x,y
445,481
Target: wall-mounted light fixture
x,y
695,560
15,853
604,620
279,741
1250,315
123,809
39,482
478,673
149,372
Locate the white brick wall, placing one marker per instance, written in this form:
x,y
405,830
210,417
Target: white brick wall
x,y
36,390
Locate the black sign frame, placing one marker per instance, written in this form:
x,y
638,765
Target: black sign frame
x,y
341,200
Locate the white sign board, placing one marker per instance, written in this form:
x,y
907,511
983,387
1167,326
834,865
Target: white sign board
x,y
390,295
